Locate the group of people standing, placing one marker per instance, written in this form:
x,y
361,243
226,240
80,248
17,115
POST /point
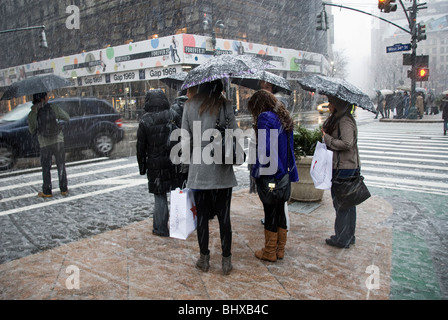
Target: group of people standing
x,y
212,183
398,104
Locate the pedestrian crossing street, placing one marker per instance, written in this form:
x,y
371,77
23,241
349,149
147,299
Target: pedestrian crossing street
x,y
409,157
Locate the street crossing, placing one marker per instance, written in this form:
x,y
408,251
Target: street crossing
x,y
408,157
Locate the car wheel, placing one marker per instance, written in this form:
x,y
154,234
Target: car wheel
x,y
7,156
103,144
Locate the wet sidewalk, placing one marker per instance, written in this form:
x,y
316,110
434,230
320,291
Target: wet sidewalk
x,y
130,263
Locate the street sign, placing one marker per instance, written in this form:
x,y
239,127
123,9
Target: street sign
x,y
399,47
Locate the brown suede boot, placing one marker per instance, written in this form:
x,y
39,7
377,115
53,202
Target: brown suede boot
x,y
269,252
282,236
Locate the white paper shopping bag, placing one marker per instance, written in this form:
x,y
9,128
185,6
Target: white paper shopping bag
x,y
321,170
183,219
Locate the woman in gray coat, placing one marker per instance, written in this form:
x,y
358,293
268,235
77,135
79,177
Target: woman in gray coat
x,y
211,181
340,133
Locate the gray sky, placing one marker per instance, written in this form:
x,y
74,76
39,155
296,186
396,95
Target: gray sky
x,y
352,35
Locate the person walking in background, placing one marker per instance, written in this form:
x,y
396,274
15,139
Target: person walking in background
x,y
420,104
153,155
212,183
340,134
379,104
407,103
43,121
444,109
270,114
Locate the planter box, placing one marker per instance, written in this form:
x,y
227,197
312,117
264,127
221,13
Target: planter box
x,y
304,190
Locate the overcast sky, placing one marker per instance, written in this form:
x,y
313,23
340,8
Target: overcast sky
x,y
352,35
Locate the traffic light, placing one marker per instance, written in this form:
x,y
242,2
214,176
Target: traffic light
x,y
387,5
421,32
320,21
422,74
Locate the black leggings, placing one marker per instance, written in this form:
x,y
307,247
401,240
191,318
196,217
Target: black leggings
x,y
208,204
274,216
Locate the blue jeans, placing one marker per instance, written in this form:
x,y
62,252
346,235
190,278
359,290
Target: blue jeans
x,y
161,215
345,223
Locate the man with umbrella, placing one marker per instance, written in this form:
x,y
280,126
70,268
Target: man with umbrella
x,y
42,120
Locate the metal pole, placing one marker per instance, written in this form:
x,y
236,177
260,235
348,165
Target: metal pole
x,y
22,29
413,25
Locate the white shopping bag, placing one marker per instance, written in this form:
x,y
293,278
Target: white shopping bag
x,y
183,219
321,170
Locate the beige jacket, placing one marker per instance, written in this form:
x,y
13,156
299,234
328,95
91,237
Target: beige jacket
x,y
345,145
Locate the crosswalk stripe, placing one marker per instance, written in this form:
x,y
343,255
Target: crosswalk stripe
x,y
410,161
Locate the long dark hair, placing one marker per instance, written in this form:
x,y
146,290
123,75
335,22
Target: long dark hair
x,y
341,108
263,101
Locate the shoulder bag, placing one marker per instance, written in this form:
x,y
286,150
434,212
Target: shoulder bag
x,y
272,190
348,191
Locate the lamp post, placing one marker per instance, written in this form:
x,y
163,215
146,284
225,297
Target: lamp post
x,y
42,37
218,24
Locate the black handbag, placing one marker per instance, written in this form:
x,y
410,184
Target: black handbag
x,y
235,154
271,190
348,191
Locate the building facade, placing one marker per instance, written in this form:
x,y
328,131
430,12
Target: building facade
x,y
95,32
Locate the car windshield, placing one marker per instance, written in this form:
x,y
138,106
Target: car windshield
x,y
18,113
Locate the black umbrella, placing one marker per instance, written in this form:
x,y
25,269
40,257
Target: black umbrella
x,y
224,66
338,88
252,81
33,85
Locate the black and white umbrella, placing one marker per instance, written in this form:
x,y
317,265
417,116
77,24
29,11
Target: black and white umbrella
x,y
224,66
36,84
338,88
252,81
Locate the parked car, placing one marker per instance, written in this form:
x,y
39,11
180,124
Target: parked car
x,y
94,124
323,108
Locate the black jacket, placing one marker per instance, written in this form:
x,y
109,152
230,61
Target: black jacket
x,y
153,151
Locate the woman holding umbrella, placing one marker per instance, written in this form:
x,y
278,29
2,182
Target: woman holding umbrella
x,y
212,183
340,134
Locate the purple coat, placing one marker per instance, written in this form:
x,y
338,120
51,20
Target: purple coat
x,y
269,120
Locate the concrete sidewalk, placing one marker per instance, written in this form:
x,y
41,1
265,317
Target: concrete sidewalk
x,y
131,263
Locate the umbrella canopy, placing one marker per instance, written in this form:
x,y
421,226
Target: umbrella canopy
x,y
386,92
252,81
338,88
33,85
175,80
224,66
445,92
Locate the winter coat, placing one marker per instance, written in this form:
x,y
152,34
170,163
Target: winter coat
x,y
204,176
444,108
153,151
343,141
269,120
32,125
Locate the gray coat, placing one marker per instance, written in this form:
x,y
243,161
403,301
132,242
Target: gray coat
x,y
203,176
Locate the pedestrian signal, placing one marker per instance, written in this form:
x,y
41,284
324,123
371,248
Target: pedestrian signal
x,y
422,74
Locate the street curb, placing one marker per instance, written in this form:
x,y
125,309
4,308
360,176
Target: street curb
x,y
411,121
